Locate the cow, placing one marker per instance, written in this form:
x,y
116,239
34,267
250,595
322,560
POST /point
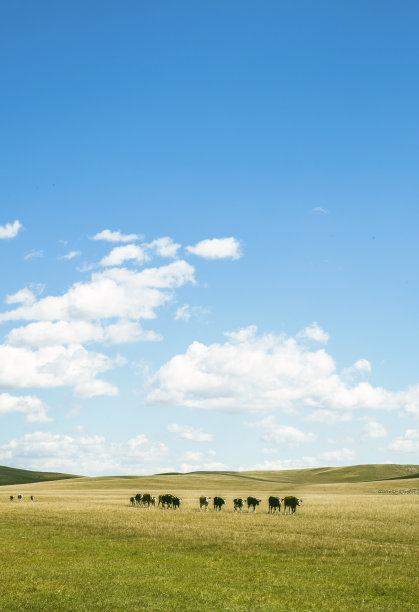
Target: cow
x,y
238,504
11,498
291,502
274,503
132,501
153,500
166,500
146,500
203,503
138,499
176,502
218,503
20,497
32,498
252,502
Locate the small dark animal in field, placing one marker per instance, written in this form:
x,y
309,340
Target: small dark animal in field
x,y
32,498
132,501
166,500
176,503
274,504
252,502
11,498
291,502
203,503
238,504
146,500
138,499
218,503
20,497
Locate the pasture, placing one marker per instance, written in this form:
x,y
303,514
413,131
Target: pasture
x,y
81,546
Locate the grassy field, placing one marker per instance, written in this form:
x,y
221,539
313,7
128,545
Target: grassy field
x,y
80,546
10,475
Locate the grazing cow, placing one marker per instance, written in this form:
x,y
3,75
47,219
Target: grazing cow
x,y
11,498
146,500
153,500
238,504
274,503
138,499
166,500
203,503
132,501
176,502
218,503
19,497
252,502
291,502
32,498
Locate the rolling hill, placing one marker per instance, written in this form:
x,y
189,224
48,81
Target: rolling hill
x,y
13,476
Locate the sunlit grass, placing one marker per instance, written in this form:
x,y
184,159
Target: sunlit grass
x,y
82,547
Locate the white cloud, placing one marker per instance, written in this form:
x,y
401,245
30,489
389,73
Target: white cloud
x,y
283,464
71,255
344,454
55,366
217,248
48,333
117,292
251,373
30,405
374,430
281,434
330,417
164,247
34,254
110,236
314,332
407,443
187,432
86,455
23,296
183,313
10,230
321,210
128,252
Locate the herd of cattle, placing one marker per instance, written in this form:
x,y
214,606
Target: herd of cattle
x,y
20,497
146,500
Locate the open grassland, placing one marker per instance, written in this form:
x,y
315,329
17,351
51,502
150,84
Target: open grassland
x,y
10,475
80,546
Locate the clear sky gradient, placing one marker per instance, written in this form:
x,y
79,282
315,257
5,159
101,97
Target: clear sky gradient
x,y
253,303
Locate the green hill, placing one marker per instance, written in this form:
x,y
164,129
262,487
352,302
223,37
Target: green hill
x,y
13,476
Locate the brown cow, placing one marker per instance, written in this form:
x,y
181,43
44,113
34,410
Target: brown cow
x,y
291,502
203,503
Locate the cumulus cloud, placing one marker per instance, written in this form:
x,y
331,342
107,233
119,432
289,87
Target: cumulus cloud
x,y
116,292
407,443
55,366
164,247
10,230
86,455
374,430
128,252
314,332
114,236
23,296
281,434
260,373
29,405
217,248
186,432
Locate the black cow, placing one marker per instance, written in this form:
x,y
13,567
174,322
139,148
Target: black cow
x,y
32,498
238,504
252,502
146,500
274,503
11,498
176,503
138,499
218,503
291,502
132,501
166,500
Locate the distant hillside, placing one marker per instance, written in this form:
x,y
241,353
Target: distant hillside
x,y
12,476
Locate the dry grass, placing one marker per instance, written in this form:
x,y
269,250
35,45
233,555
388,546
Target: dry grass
x,y
80,546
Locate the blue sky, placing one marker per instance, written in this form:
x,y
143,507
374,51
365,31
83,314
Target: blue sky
x,y
208,235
